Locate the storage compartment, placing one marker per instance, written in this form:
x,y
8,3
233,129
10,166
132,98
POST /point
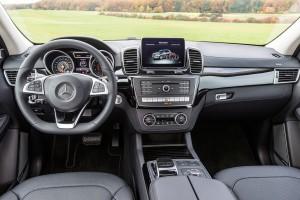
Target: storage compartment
x,y
255,102
189,188
165,146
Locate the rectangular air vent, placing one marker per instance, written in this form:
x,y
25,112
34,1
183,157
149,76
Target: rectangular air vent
x,y
11,76
286,75
195,61
131,61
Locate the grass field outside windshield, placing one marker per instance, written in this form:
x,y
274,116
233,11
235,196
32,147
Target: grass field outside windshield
x,y
114,19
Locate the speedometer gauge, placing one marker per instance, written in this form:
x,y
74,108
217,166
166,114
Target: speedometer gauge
x,y
62,64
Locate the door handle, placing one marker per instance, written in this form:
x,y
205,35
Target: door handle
x,y
224,96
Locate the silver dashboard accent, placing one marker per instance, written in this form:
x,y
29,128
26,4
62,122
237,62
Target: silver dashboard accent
x,y
186,119
138,59
149,115
188,59
52,51
26,88
119,100
277,74
69,125
12,76
170,169
222,97
101,83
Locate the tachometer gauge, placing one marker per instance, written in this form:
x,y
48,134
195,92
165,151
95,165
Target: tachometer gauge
x,y
62,64
95,68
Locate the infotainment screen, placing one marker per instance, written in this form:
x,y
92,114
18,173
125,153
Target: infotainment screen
x,y
163,53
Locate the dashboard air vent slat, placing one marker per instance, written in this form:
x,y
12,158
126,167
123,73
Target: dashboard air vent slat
x,y
286,75
11,76
195,61
131,61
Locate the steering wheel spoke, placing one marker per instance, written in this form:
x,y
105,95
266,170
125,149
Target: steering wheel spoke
x,y
99,88
61,118
35,87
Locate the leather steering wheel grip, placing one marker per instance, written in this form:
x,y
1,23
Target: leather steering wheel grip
x,y
51,128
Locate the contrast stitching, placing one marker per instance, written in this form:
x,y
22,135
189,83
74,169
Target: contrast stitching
x,y
268,177
114,195
18,197
47,188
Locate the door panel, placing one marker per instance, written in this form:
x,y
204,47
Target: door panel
x,y
9,132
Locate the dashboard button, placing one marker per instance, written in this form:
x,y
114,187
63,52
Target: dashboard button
x,y
166,88
181,119
149,120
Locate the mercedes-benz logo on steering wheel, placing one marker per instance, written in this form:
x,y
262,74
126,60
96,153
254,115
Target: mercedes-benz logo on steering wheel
x,y
65,91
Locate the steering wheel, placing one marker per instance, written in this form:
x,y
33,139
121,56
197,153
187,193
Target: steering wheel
x,y
68,94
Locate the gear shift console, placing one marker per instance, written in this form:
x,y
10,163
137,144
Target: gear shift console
x,y
162,167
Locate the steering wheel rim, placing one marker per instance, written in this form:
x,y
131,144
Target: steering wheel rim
x,y
52,128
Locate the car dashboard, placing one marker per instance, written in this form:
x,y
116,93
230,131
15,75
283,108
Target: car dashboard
x,y
165,85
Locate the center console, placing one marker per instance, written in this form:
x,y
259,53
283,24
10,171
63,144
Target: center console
x,y
165,92
189,188
167,103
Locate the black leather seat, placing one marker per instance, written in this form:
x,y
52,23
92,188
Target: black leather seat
x,y
262,183
71,186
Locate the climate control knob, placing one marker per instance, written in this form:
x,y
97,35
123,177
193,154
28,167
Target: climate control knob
x,y
149,120
166,88
181,119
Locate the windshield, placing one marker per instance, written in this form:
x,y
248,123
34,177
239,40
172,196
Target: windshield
x,y
233,21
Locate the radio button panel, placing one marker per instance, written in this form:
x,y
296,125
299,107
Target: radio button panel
x,y
165,91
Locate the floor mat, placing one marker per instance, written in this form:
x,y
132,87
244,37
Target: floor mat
x,y
71,155
222,145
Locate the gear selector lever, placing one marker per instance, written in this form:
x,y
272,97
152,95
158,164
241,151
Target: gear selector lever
x,y
166,167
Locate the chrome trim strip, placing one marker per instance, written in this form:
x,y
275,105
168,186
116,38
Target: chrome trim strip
x,y
138,59
103,83
188,59
42,80
48,53
276,75
6,77
71,125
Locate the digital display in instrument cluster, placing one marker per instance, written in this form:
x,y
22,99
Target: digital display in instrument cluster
x,y
82,60
163,53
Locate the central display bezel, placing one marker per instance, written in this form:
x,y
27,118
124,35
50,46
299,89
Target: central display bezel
x,y
163,67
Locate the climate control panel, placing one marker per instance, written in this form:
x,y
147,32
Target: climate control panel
x,y
165,119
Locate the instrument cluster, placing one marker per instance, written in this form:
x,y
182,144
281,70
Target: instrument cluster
x,y
72,61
